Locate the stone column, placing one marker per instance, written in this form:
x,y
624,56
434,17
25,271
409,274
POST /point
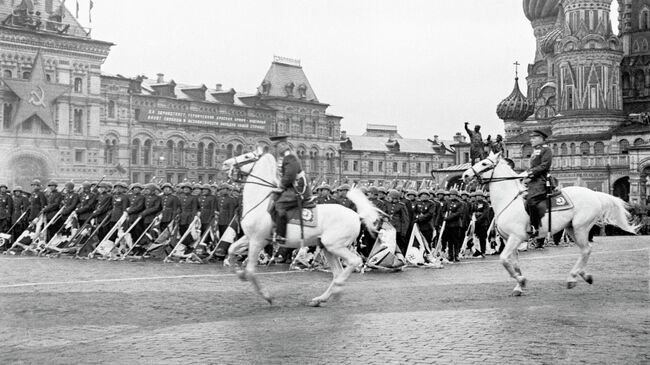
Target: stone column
x,y
635,191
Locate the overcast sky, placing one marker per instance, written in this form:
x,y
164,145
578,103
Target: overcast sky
x,y
425,65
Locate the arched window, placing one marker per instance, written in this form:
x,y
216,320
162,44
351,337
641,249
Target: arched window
x,y
623,146
135,152
555,149
180,160
111,109
200,153
572,148
147,152
26,75
315,127
229,151
77,84
563,149
209,158
599,148
7,112
78,121
584,148
169,153
639,142
239,150
527,151
7,74
108,153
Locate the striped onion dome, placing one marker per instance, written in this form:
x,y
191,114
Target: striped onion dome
x,y
541,9
516,106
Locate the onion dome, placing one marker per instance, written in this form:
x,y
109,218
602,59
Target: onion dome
x,y
541,9
516,106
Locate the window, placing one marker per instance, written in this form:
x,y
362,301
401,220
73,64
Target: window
x,y
108,153
346,165
79,156
147,152
569,96
355,165
26,75
169,153
599,148
639,142
7,74
527,151
77,84
563,149
48,77
200,154
404,167
623,146
78,122
135,152
555,149
136,177
465,157
209,158
380,166
180,154
7,112
330,131
147,178
111,109
572,148
229,151
371,166
239,150
418,167
584,148
427,167
394,166
136,114
211,178
170,178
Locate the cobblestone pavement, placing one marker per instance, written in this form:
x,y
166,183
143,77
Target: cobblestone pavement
x,y
64,311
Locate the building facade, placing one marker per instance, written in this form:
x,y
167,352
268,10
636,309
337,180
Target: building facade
x,y
580,92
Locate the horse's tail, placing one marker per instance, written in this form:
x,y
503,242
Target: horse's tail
x,y
615,212
368,213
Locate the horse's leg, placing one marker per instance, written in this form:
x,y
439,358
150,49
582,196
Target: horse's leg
x,y
581,238
506,255
248,273
351,260
337,268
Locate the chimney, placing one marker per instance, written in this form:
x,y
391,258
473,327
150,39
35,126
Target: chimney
x,y
459,138
160,79
344,135
218,87
435,139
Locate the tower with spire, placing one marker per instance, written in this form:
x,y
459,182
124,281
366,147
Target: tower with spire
x,y
514,109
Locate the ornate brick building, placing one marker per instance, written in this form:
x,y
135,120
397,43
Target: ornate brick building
x,y
579,90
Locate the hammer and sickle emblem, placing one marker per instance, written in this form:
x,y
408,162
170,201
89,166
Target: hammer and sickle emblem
x,y
560,201
35,99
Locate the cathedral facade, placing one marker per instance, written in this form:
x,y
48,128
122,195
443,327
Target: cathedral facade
x,y
587,89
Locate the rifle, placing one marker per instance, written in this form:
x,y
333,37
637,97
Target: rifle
x,y
39,248
439,243
153,223
123,236
100,225
18,220
187,232
110,233
219,242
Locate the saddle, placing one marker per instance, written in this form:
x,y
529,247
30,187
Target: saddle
x,y
309,217
560,201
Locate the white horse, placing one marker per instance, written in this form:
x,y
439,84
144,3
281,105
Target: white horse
x,y
511,219
337,228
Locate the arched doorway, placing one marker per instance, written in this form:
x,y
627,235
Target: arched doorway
x,y
621,188
25,168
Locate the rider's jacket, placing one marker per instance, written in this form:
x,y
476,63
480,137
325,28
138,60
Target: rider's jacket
x,y
540,165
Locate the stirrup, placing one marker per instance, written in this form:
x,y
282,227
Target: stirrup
x,y
277,239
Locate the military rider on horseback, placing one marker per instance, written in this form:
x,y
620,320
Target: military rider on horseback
x,y
535,178
293,189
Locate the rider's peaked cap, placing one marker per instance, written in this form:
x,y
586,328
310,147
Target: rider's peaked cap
x,y
539,133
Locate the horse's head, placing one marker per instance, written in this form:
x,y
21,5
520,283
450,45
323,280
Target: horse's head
x,y
242,163
482,168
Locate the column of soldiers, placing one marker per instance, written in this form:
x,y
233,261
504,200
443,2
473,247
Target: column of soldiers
x,y
101,206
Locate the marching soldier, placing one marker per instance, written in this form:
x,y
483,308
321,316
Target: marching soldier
x,y
226,206
483,219
411,205
120,203
54,200
37,201
87,203
208,207
171,206
425,210
102,207
21,205
6,208
397,216
324,195
466,215
69,203
452,236
136,206
189,208
343,198
152,206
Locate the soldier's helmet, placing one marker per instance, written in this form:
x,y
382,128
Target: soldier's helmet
x,y
52,183
85,184
423,192
167,185
453,193
106,185
382,189
136,186
411,192
69,185
206,187
373,190
364,189
343,187
5,186
224,186
393,194
36,182
120,184
464,193
18,188
440,192
151,187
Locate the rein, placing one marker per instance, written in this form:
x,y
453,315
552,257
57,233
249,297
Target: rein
x,y
262,182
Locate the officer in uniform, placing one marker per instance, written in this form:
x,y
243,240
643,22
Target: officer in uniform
x,y
136,206
87,203
120,204
171,206
293,186
483,219
397,216
152,206
343,197
189,208
21,205
54,200
452,235
226,206
324,194
425,211
69,204
37,201
6,208
102,208
208,208
411,207
535,178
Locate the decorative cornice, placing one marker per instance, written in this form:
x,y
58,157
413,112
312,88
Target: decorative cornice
x,y
73,45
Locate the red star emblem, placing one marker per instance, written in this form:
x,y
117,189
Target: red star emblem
x,y
36,95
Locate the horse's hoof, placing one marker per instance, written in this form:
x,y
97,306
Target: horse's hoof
x,y
269,299
571,284
522,281
241,275
314,303
588,279
517,293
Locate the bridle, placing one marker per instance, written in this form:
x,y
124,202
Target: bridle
x,y
237,175
483,181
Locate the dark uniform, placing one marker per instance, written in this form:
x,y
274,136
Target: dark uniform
x,y
227,206
136,206
37,201
294,189
425,211
398,218
452,236
152,206
171,207
324,195
343,199
189,207
54,200
483,220
540,165
102,209
6,210
411,208
69,204
21,205
208,208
